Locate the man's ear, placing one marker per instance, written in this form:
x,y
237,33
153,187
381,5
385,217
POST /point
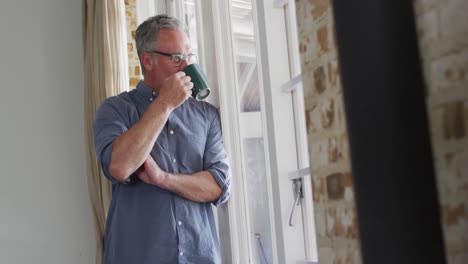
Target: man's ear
x,y
147,61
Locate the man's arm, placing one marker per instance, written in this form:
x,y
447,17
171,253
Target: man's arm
x,y
212,184
132,148
198,187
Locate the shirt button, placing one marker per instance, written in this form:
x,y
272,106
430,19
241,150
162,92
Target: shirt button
x,y
151,99
174,160
172,132
154,93
181,253
179,223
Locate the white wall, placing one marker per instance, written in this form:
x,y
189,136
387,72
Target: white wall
x,y
45,214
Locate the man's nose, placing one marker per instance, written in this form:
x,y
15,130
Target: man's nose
x,y
184,64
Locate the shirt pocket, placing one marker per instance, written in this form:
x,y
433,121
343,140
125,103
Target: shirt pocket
x,y
192,148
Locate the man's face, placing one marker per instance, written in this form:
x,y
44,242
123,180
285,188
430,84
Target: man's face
x,y
172,42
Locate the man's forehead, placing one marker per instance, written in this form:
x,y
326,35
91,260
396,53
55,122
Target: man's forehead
x,y
169,38
172,35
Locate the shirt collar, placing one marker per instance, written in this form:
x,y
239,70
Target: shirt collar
x,y
147,92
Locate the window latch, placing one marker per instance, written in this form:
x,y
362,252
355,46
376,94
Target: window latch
x,y
297,199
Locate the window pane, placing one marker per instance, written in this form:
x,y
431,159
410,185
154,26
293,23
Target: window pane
x,y
246,60
253,149
190,21
260,235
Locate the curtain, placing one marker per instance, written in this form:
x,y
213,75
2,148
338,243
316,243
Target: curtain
x,y
106,74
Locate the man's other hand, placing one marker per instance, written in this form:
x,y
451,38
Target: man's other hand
x,y
150,172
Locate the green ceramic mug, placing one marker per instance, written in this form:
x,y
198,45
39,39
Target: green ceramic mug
x,y
200,89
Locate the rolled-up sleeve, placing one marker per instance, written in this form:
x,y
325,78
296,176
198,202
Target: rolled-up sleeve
x,y
216,160
108,125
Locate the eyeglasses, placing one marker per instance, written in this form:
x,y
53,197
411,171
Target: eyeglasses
x,y
178,59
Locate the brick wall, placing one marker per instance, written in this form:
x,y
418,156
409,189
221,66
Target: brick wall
x,y
134,70
335,214
443,40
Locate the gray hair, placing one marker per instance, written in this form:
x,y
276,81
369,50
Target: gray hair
x,y
147,33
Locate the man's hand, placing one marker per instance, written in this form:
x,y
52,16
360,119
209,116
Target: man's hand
x,y
175,90
151,173
198,187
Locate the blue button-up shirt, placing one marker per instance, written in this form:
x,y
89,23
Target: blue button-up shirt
x,y
147,224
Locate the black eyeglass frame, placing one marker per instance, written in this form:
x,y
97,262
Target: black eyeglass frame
x,y
177,59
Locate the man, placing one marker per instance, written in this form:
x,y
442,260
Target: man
x,y
163,152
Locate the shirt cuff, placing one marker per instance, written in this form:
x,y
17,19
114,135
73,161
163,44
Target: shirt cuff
x,y
105,162
224,184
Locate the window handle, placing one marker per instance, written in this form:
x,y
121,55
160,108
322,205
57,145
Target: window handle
x,y
298,195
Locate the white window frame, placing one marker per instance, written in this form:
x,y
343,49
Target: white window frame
x,y
301,129
278,126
